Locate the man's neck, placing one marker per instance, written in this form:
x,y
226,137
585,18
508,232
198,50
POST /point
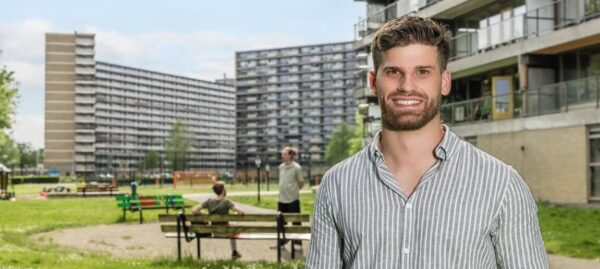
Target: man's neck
x,y
409,147
288,162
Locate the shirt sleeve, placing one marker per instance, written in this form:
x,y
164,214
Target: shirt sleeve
x,y
517,238
299,176
325,243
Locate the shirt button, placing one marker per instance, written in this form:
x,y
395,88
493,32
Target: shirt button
x,y
405,251
408,205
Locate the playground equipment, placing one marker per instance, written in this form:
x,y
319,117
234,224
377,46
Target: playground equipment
x,y
4,182
191,178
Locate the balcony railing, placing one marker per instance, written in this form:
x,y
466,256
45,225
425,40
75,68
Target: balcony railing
x,y
554,98
506,27
366,26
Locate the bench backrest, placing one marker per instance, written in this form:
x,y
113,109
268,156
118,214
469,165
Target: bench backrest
x,y
170,200
228,224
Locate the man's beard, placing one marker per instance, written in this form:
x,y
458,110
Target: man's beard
x,y
408,120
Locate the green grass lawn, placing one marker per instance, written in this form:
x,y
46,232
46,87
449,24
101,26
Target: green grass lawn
x,y
570,231
21,218
566,231
307,201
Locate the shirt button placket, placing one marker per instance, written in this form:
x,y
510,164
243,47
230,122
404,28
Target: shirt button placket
x,y
407,228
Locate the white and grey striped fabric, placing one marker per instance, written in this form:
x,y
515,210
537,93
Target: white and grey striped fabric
x,y
470,210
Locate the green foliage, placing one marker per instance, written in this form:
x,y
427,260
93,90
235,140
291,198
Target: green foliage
x,y
34,179
337,148
345,141
151,160
28,157
178,145
8,98
9,152
356,141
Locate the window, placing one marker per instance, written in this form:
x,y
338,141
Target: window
x,y
594,136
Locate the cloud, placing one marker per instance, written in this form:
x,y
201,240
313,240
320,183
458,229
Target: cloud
x,y
29,129
204,55
22,46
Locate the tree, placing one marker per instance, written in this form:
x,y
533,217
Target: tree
x,y
9,152
8,98
345,141
28,156
151,160
178,145
337,148
357,139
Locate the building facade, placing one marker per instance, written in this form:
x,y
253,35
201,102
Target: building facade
x,y
103,118
293,96
526,85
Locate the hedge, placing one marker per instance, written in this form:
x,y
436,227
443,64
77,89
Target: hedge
x,y
34,179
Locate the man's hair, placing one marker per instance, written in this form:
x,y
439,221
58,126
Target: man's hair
x,y
291,151
218,187
408,30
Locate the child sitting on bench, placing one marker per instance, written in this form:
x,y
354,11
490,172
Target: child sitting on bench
x,y
220,205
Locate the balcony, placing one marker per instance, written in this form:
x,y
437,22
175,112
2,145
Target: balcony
x,y
554,98
504,28
367,26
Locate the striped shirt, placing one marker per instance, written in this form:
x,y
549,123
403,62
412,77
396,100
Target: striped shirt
x,y
469,210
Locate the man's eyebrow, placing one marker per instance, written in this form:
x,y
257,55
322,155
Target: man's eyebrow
x,y
391,68
425,67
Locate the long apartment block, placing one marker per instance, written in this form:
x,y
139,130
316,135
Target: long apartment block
x,y
526,85
293,96
102,118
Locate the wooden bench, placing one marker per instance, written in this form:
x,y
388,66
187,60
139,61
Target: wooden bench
x,y
248,226
148,202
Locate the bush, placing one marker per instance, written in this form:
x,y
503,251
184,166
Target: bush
x,y
34,179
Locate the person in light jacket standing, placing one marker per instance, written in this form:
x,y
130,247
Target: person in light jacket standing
x,y
290,183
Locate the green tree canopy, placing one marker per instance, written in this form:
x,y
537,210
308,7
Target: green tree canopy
x,y
8,98
151,160
346,140
337,148
178,145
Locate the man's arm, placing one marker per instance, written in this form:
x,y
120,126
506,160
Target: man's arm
x,y
325,243
198,208
517,238
300,178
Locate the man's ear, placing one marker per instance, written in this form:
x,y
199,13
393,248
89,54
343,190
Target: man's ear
x,y
373,82
446,82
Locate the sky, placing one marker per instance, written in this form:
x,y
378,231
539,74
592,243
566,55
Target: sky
x,y
197,38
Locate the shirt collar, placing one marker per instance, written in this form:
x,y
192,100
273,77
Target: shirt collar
x,y
443,150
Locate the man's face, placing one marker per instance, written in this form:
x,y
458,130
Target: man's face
x,y
285,155
409,85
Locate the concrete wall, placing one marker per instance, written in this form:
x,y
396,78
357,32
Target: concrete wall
x,y
553,162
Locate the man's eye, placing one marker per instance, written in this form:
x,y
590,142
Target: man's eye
x,y
393,72
423,72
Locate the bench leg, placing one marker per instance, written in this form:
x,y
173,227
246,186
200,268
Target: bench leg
x,y
293,255
198,246
123,214
141,216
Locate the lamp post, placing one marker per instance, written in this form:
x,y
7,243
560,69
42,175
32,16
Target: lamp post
x,y
257,162
267,169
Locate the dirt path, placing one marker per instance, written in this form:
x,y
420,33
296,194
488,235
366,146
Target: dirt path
x,y
146,240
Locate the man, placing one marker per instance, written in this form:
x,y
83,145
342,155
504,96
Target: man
x,y
418,196
290,183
